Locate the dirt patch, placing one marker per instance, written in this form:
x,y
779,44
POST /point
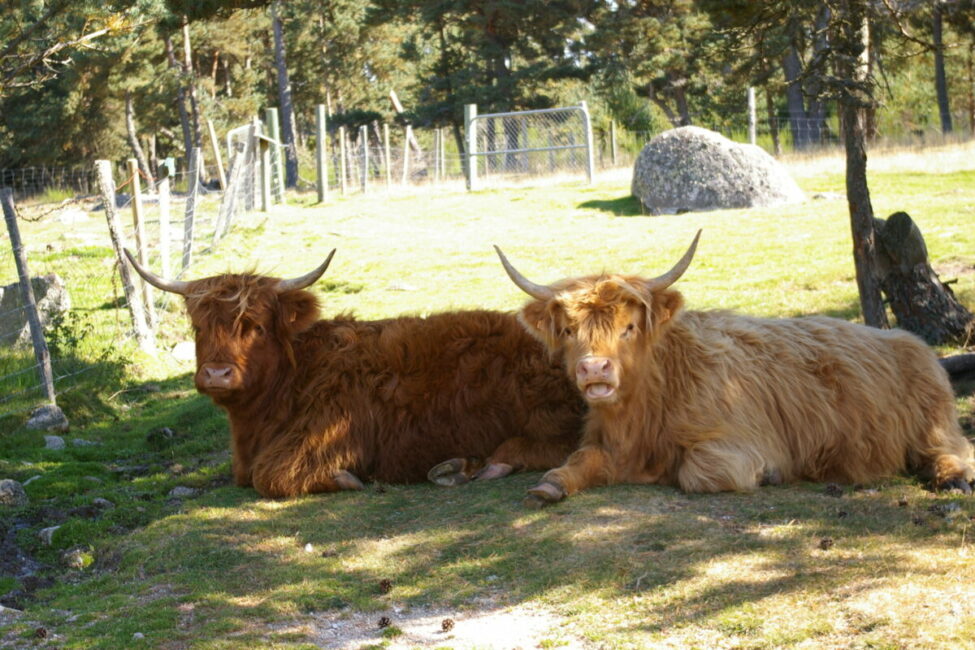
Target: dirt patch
x,y
953,269
522,626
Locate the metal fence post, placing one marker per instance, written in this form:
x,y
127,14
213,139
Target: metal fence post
x,y
470,133
41,353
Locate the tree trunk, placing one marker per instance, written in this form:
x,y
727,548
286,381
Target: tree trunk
x,y
792,68
190,82
284,99
921,303
184,118
133,138
940,80
852,43
773,122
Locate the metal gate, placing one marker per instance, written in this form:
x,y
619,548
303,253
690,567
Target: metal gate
x,y
520,144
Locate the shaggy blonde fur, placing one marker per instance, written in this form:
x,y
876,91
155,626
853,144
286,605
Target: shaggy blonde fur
x,y
714,401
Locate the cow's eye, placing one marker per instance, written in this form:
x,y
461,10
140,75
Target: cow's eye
x,y
629,330
565,332
259,330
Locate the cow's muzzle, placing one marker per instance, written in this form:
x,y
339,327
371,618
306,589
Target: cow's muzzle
x,y
217,377
597,378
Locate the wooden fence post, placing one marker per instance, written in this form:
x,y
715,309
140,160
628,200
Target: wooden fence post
x,y
342,170
216,154
364,136
612,141
277,159
389,161
190,215
41,353
321,153
470,131
406,153
143,334
141,244
164,233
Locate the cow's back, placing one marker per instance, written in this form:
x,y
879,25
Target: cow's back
x,y
412,392
830,400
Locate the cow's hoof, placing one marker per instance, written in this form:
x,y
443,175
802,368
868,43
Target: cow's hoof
x,y
956,483
547,491
533,502
449,473
494,470
347,480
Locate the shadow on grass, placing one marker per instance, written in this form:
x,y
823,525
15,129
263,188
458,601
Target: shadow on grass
x,y
686,559
625,206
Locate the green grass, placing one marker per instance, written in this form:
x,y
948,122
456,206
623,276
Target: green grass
x,y
620,567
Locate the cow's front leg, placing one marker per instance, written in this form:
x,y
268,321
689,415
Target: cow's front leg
x,y
588,466
293,465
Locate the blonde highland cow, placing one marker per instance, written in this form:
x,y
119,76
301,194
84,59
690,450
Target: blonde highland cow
x,y
714,401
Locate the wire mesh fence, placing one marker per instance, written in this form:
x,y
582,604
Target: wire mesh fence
x,y
548,142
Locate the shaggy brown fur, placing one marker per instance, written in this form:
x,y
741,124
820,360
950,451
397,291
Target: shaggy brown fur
x,y
316,404
713,401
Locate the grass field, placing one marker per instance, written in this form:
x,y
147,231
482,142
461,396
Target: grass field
x,y
888,565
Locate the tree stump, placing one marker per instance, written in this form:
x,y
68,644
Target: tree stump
x,y
921,303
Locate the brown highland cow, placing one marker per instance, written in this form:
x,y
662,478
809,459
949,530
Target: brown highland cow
x,y
320,405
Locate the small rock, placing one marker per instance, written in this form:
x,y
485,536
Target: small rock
x,y
77,558
103,504
828,196
138,636
40,633
78,442
184,351
309,548
902,502
826,543
447,624
842,514
53,442
833,490
384,621
385,585
48,418
183,492
12,493
47,535
401,286
160,438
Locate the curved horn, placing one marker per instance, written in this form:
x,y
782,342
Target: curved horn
x,y
538,291
173,286
671,276
307,279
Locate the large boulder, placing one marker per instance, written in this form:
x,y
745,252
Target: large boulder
x,y
51,297
690,168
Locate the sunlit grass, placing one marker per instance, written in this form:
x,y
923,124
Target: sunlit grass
x,y
620,567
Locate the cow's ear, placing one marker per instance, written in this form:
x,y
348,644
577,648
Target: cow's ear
x,y
538,317
664,305
299,310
